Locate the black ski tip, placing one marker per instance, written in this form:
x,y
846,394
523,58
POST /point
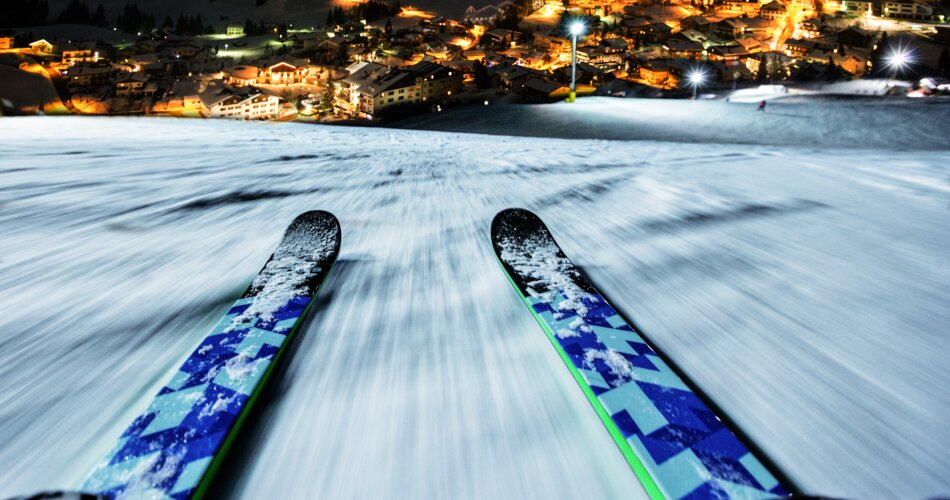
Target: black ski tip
x,y
317,222
60,495
516,223
315,219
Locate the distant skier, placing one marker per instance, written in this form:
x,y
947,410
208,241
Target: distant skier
x,y
762,106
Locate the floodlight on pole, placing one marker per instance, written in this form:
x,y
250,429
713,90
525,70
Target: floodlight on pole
x,y
897,59
696,79
576,29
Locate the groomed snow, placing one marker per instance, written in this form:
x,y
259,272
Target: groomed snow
x,y
803,287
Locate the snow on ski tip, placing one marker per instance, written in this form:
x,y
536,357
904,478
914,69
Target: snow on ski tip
x,y
172,449
675,443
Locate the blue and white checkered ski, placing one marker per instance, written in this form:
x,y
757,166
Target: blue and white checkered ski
x,y
169,449
677,445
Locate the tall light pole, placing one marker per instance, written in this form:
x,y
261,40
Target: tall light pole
x,y
577,28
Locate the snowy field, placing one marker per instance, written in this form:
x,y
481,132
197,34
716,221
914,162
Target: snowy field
x,y
804,288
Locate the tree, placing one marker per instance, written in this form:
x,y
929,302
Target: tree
x,y
24,13
389,27
481,76
327,96
181,26
167,24
76,12
834,72
877,56
99,18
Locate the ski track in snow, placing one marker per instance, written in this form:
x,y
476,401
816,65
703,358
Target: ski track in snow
x,y
820,331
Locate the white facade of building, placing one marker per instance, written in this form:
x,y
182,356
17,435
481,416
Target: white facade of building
x,y
246,106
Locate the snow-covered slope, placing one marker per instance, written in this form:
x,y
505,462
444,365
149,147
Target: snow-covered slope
x,y
804,288
848,124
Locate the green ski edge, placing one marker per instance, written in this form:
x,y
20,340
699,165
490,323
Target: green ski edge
x,y
647,481
207,480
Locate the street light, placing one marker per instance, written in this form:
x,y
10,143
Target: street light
x,y
696,78
897,59
576,29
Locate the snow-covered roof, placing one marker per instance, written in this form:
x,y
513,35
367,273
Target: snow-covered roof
x,y
242,72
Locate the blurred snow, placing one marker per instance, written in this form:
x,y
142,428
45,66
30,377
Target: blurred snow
x,y
804,288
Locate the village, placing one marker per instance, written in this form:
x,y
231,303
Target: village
x,y
382,60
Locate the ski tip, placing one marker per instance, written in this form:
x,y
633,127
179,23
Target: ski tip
x,y
513,215
321,218
314,223
517,223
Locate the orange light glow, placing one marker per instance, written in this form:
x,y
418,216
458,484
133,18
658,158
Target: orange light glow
x,y
413,12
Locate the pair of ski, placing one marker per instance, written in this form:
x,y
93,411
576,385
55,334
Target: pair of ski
x,y
669,434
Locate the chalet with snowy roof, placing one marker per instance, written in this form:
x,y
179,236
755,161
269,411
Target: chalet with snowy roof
x,y
511,78
748,7
132,85
371,88
680,47
285,72
851,63
751,45
597,56
773,11
635,26
486,14
694,35
614,45
587,74
542,89
757,26
730,28
727,53
43,47
550,42
659,32
809,28
500,38
730,71
307,41
698,23
246,103
183,98
241,76
854,37
474,54
183,50
88,74
655,72
798,48
77,52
